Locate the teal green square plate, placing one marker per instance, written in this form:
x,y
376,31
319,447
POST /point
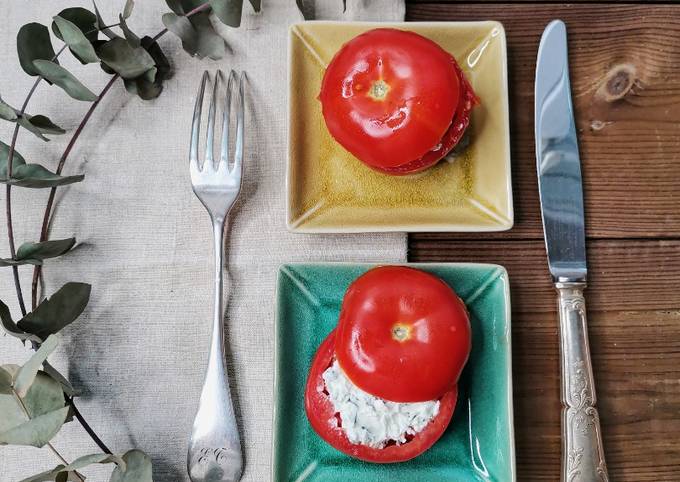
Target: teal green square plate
x,y
478,444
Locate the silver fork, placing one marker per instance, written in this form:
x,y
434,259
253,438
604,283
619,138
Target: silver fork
x,y
214,447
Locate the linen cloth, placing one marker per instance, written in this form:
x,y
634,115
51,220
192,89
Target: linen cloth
x,y
139,351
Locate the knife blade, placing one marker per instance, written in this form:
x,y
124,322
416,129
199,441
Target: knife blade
x,y
557,159
561,195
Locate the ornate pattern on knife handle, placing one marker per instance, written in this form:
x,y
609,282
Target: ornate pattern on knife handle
x,y
582,450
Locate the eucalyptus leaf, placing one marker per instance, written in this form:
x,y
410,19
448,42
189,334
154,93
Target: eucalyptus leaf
x,y
85,20
30,175
138,468
7,112
76,40
61,379
17,160
198,35
142,88
150,75
45,249
175,6
28,372
37,431
11,327
257,5
5,382
57,312
12,412
228,11
38,177
189,5
44,396
126,60
101,25
33,43
58,75
163,67
44,124
6,262
129,6
38,124
24,122
46,476
149,86
86,460
62,477
301,6
79,463
130,36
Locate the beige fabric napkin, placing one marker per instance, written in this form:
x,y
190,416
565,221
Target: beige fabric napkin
x,y
138,353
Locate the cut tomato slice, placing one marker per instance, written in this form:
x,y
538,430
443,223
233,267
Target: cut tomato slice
x,y
451,138
322,417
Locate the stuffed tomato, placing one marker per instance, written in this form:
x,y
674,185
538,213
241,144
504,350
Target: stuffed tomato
x,y
383,385
396,100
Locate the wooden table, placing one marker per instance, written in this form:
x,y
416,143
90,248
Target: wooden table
x,y
625,73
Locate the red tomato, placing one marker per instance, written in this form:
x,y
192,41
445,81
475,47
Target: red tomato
x,y
403,334
453,135
390,96
321,415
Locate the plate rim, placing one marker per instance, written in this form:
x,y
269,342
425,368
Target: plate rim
x,y
503,275
291,225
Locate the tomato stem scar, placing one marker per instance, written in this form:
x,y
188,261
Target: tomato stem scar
x,y
379,90
401,332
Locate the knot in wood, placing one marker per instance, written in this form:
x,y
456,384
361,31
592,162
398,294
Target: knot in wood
x,y
618,82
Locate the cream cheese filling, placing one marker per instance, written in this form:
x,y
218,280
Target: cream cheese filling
x,y
372,421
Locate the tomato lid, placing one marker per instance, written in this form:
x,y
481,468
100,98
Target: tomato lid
x,y
388,96
403,334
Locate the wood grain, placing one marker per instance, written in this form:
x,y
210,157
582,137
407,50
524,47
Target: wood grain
x,y
625,72
634,323
625,69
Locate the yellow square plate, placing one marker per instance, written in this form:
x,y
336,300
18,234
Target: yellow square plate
x,y
329,190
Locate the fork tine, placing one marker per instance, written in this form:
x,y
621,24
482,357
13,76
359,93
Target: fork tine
x,y
238,151
210,138
224,151
196,123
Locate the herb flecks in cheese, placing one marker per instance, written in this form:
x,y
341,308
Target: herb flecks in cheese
x,y
372,421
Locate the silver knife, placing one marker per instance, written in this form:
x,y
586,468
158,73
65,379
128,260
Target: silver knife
x,y
559,185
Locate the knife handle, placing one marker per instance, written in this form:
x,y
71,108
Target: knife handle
x,y
582,450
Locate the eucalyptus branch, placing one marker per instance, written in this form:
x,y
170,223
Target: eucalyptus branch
x,y
44,233
37,270
8,200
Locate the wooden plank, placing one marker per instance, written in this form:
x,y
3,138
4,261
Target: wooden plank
x,y
636,358
623,275
625,68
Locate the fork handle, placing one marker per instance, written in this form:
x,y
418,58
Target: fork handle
x,y
217,446
582,449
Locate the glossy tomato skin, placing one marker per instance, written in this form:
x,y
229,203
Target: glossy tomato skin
x,y
389,96
321,415
451,137
403,334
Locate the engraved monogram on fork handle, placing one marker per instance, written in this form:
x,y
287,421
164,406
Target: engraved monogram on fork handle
x,y
582,449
